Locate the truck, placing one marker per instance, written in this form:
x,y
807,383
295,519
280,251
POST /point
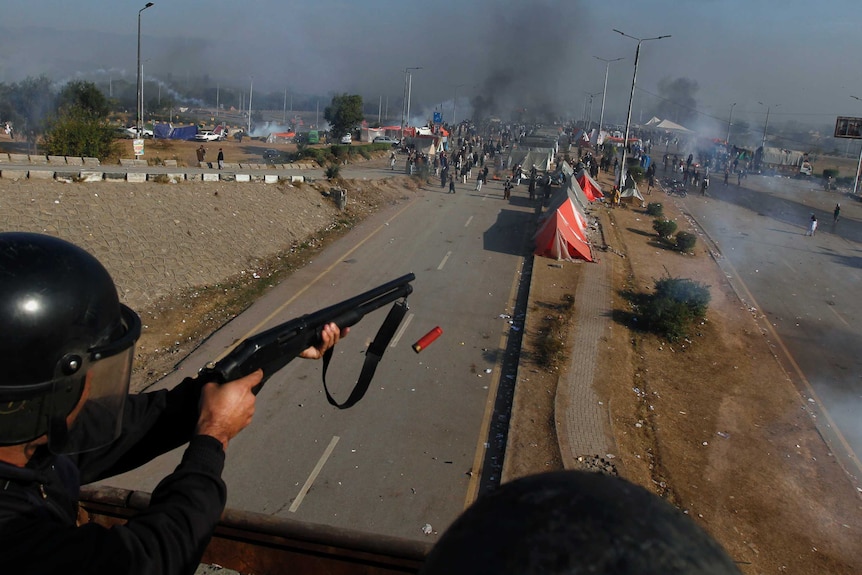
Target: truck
x,y
779,161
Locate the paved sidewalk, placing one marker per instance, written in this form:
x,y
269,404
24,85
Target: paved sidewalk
x,y
581,417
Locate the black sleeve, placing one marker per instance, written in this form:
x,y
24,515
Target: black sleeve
x,y
153,423
168,538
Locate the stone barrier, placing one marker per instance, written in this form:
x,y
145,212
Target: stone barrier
x,y
74,161
41,175
13,174
57,160
136,177
92,176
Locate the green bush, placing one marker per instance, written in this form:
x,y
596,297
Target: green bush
x,y
685,241
637,173
664,228
332,171
74,133
675,306
655,209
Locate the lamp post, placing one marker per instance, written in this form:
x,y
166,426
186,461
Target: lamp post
x,y
453,103
590,115
138,93
605,90
729,124
250,91
766,124
623,169
405,106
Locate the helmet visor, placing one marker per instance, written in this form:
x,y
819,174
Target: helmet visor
x,y
97,419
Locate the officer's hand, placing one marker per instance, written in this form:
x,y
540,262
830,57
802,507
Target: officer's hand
x,y
330,336
227,409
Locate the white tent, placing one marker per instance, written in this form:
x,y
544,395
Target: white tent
x,y
672,127
631,195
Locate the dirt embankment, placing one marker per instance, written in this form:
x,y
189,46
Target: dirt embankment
x,y
711,423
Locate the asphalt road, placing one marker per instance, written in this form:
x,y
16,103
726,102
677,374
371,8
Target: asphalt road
x,y
409,454
804,286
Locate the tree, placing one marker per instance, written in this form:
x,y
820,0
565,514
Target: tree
x,y
75,132
344,114
84,97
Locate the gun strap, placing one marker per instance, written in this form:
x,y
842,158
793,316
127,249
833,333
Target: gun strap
x,y
373,355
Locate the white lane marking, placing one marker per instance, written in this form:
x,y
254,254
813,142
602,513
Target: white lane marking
x,y
314,473
470,219
443,263
838,315
401,330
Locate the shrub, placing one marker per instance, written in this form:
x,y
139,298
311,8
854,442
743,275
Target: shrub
x,y
685,241
655,209
637,173
675,306
664,228
332,171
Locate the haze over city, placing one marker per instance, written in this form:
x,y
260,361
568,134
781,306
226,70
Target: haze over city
x,y
788,57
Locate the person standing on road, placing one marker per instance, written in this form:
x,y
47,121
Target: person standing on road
x,y
452,184
479,177
812,225
835,213
392,158
220,159
202,154
68,419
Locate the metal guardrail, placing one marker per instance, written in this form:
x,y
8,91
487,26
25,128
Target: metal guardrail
x,y
264,545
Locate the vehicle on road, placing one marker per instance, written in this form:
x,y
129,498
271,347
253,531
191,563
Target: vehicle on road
x,y
385,140
779,161
346,139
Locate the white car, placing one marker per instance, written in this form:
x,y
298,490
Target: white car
x,y
216,135
385,140
132,132
346,139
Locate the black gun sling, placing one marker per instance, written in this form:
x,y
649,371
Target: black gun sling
x,y
373,355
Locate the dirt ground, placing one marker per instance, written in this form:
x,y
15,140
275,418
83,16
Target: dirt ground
x,y
713,424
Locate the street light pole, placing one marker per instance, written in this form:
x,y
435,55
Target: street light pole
x,y
405,105
766,124
604,91
590,115
250,91
729,124
453,104
631,97
138,93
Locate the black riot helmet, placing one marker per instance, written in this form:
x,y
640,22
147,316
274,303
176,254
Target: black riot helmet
x,y
64,338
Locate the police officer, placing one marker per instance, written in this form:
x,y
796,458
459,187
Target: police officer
x,y
67,419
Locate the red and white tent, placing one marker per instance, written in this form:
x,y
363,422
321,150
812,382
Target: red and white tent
x,y
589,186
562,235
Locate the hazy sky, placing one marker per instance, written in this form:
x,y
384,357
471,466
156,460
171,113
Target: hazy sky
x,y
797,57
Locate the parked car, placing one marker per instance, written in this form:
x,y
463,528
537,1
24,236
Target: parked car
x,y
346,139
132,132
385,140
216,135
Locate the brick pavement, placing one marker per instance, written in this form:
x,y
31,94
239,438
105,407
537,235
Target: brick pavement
x,y
582,421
